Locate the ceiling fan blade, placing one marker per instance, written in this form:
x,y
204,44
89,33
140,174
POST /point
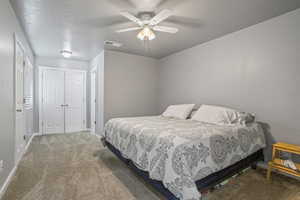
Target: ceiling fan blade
x,y
185,21
164,14
128,29
165,29
104,22
132,18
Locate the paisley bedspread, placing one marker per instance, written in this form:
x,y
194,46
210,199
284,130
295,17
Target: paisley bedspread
x,y
180,152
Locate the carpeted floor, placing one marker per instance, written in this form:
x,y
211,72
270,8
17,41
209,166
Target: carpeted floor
x,y
77,167
253,185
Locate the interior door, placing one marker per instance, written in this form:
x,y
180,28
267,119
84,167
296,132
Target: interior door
x,y
75,101
93,101
19,102
53,101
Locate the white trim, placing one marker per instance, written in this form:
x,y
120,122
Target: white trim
x,y
85,100
7,181
94,69
94,134
40,95
37,134
60,68
93,123
98,136
67,133
13,171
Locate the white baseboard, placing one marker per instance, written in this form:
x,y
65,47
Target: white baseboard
x,y
35,134
7,181
13,171
98,136
83,130
94,134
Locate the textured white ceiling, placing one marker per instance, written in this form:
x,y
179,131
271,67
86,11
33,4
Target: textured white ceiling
x,y
83,25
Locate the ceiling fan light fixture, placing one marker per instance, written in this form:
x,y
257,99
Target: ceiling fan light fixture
x,y
146,34
66,53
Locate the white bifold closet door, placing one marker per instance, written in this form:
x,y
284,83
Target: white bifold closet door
x,y
74,99
53,101
63,101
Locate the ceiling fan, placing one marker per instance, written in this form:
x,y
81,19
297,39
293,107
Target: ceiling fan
x,y
148,23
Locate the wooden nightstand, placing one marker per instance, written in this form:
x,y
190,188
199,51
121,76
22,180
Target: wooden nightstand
x,y
277,163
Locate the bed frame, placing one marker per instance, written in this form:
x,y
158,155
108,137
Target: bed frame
x,y
204,184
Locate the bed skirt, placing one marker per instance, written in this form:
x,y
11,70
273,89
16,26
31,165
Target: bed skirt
x,y
204,184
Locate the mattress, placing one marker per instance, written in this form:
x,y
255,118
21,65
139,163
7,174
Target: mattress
x,y
180,152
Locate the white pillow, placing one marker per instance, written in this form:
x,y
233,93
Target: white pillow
x,y
181,111
216,115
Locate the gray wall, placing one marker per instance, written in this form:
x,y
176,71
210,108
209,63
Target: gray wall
x,y
9,25
130,85
58,63
256,70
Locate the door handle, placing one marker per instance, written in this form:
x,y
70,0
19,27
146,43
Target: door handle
x,y
19,110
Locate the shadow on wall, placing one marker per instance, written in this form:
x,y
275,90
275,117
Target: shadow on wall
x,y
270,140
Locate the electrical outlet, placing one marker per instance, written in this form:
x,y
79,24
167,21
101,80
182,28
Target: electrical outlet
x,y
1,165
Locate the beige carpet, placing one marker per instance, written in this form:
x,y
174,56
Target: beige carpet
x,y
253,185
78,167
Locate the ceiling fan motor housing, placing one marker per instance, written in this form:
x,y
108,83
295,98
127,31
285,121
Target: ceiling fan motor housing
x,y
146,16
148,22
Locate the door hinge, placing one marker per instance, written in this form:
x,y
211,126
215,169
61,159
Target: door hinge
x,y
95,122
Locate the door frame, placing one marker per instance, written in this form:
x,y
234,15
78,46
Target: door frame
x,y
29,106
42,68
93,71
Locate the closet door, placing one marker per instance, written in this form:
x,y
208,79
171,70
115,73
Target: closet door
x,y
53,101
75,101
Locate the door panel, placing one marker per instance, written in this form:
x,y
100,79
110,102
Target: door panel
x,y
53,101
75,101
19,98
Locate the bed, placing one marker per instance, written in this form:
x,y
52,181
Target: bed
x,y
180,154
